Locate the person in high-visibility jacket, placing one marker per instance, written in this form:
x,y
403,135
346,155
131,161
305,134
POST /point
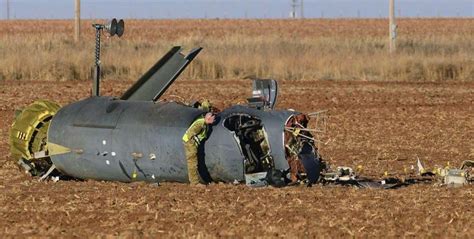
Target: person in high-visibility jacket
x,y
193,137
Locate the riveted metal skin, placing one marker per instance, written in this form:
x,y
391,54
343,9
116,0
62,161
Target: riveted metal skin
x,y
112,134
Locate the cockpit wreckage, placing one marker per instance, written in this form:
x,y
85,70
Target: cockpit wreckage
x,y
138,137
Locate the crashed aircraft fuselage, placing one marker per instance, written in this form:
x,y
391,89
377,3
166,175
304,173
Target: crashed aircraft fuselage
x,y
137,137
112,139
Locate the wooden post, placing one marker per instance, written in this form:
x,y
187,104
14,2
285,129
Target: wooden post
x,y
302,9
8,9
77,23
392,27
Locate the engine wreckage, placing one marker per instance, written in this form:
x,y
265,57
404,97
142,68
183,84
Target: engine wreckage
x,y
137,137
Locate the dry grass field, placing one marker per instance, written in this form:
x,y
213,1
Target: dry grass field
x,y
428,49
384,112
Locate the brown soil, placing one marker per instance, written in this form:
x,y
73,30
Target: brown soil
x,y
381,126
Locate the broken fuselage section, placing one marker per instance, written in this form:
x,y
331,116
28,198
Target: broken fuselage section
x,y
138,138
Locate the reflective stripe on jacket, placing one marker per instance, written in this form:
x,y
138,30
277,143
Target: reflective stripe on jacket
x,y
197,130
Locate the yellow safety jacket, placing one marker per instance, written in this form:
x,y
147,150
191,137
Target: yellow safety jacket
x,y
197,131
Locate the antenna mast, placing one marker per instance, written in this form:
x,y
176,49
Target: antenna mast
x,y
113,27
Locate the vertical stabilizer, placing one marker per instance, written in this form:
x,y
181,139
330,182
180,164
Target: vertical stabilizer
x,y
153,84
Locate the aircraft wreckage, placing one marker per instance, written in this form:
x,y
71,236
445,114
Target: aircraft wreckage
x,y
138,137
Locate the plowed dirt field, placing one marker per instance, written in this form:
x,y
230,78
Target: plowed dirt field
x,y
383,126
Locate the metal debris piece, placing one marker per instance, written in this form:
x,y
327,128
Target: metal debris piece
x,y
26,165
420,167
467,164
455,178
50,170
341,174
256,180
449,176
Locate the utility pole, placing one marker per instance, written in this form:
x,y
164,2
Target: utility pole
x,y
295,4
392,27
77,22
8,9
293,9
302,9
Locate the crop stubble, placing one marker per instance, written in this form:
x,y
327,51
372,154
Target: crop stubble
x,y
382,126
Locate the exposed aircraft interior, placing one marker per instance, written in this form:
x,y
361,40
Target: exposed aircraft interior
x,y
252,140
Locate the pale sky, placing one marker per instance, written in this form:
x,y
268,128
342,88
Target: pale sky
x,y
64,9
